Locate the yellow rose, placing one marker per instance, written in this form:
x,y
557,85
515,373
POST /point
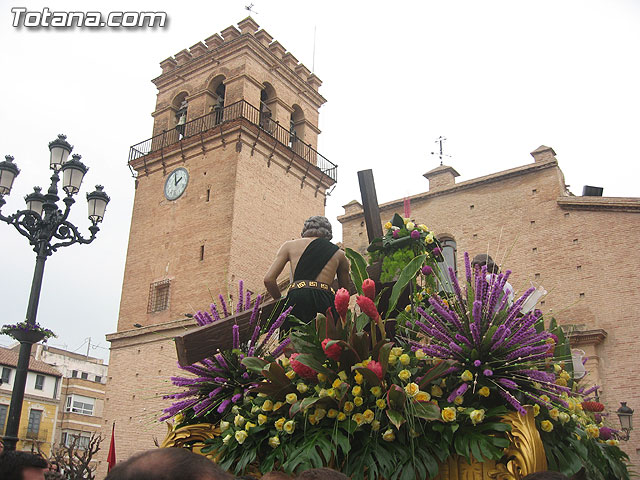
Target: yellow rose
x,y
423,227
393,359
420,353
291,398
410,226
343,376
366,362
408,308
404,359
458,400
336,383
332,413
422,396
554,413
358,401
255,409
348,407
476,416
241,436
368,415
564,417
436,391
536,410
406,220
262,419
291,374
341,417
375,425
358,418
397,351
388,226
565,375
557,368
289,427
484,392
381,404
466,376
274,442
279,424
356,391
239,420
312,419
277,405
613,442
448,414
429,238
226,439
331,392
376,391
267,406
224,426
561,382
323,393
546,425
302,388
285,362
412,389
262,395
359,378
404,375
545,399
389,436
249,426
593,431
322,377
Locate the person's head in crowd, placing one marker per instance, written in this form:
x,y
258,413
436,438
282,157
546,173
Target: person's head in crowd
x,y
483,259
168,464
16,465
546,476
276,476
321,474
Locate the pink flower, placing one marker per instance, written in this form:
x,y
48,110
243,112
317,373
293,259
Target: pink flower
x,y
415,234
301,369
375,367
368,307
395,234
333,351
342,302
606,433
427,270
436,251
369,288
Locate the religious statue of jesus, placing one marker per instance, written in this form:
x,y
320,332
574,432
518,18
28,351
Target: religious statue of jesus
x,y
314,263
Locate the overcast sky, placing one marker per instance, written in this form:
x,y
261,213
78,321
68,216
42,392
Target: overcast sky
x,y
497,78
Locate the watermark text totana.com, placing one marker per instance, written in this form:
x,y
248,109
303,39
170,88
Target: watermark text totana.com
x,y
22,17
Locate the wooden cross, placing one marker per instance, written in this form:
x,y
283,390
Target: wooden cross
x,y
202,342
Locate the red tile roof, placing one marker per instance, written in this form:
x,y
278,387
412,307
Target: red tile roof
x,y
9,358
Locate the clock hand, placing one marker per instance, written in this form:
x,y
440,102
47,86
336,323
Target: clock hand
x,y
177,180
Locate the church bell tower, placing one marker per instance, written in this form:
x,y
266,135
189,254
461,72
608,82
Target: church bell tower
x,y
230,172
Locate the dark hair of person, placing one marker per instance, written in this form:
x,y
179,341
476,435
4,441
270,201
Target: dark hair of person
x,y
168,464
483,259
321,474
548,475
12,463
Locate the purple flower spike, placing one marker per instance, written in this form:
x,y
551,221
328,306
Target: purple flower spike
x,y
240,296
462,389
236,397
224,305
513,401
467,266
277,324
488,373
221,361
256,309
280,348
236,336
247,302
214,312
510,384
223,406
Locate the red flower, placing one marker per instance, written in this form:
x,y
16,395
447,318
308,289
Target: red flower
x,y
342,302
368,307
369,288
375,367
301,369
592,406
333,351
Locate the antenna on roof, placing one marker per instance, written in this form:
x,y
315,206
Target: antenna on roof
x,y
441,155
250,8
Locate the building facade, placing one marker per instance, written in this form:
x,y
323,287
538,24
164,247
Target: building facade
x,y
82,391
38,420
581,249
231,172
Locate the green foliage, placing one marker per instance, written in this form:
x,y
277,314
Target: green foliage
x,y
408,273
358,268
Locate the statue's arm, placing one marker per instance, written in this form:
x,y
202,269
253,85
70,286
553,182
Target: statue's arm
x,y
271,278
344,277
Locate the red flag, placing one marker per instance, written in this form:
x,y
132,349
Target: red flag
x,y
407,207
111,457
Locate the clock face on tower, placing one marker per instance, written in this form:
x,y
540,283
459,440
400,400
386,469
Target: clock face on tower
x,y
176,183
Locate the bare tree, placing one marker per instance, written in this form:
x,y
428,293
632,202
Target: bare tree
x,y
76,459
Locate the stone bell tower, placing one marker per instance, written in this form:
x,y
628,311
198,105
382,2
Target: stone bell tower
x,y
231,171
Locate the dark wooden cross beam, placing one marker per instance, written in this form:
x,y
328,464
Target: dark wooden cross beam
x,y
202,342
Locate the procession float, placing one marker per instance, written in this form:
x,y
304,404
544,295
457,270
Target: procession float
x,y
422,376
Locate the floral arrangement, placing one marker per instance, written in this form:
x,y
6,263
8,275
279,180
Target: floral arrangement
x,y
12,329
403,240
347,396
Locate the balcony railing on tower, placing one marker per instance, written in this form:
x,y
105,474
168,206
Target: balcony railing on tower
x,y
239,110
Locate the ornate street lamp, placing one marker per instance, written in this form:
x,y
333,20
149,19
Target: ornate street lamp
x,y
625,414
47,228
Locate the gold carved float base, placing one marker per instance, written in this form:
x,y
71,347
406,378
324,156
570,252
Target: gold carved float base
x,y
525,455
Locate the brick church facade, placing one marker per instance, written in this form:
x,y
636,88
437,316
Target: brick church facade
x,y
581,249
